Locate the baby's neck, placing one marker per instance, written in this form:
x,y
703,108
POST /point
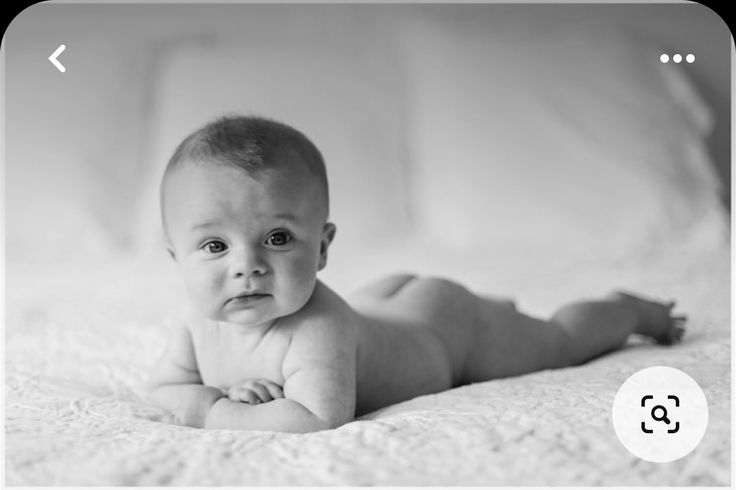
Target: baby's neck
x,y
250,333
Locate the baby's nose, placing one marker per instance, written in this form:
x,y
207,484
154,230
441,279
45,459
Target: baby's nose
x,y
248,263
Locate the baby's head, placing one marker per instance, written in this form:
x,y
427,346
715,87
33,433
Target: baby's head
x,y
244,202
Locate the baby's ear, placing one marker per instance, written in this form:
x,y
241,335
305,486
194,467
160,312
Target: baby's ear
x,y
328,234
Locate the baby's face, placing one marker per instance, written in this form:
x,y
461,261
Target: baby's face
x,y
249,248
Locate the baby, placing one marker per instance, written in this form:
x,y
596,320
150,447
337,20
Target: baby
x,y
267,346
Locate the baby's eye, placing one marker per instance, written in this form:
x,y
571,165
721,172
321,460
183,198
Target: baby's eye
x,y
278,239
214,247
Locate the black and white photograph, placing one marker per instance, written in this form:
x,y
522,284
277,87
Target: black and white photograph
x,y
367,244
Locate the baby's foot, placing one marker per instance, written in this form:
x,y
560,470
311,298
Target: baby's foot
x,y
655,318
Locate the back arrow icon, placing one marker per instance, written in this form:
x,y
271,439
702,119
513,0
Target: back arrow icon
x,y
54,61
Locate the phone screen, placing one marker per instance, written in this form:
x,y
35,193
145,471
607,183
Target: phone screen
x,y
537,153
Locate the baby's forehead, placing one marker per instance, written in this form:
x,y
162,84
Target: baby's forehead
x,y
279,171
279,185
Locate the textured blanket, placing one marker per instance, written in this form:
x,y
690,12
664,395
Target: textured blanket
x,y
79,342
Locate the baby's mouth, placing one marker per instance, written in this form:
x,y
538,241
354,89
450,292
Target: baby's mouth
x,y
247,298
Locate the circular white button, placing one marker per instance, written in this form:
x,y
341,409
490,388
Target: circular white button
x,y
660,414
690,58
664,58
677,58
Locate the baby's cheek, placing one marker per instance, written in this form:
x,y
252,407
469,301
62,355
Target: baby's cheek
x,y
301,284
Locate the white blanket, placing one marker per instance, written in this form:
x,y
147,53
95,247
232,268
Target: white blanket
x,y
79,342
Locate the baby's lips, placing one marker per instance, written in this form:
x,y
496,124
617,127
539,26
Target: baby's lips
x,y
250,292
248,297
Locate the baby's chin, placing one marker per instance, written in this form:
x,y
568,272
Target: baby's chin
x,y
254,314
246,317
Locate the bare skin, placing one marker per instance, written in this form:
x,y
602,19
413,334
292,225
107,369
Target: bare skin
x,y
414,336
269,347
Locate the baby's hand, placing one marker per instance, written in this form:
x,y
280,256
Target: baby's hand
x,y
255,391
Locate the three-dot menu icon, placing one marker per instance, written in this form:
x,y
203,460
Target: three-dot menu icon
x,y
677,58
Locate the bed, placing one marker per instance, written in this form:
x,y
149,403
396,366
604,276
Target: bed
x,y
561,184
78,348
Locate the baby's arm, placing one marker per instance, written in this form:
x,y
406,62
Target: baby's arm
x,y
255,391
319,388
175,383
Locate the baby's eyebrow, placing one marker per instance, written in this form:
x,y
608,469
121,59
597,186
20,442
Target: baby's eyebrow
x,y
285,216
206,224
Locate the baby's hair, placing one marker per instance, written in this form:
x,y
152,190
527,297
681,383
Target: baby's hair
x,y
251,143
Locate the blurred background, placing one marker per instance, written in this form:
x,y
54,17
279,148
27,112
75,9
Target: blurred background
x,y
461,128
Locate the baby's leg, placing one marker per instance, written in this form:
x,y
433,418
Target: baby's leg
x,y
510,343
597,327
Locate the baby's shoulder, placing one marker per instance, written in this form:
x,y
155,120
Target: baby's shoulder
x,y
324,331
184,321
325,314
189,318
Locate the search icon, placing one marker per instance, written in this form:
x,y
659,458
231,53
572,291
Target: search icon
x,y
663,418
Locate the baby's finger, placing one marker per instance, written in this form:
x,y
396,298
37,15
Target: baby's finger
x,y
245,395
261,392
275,390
